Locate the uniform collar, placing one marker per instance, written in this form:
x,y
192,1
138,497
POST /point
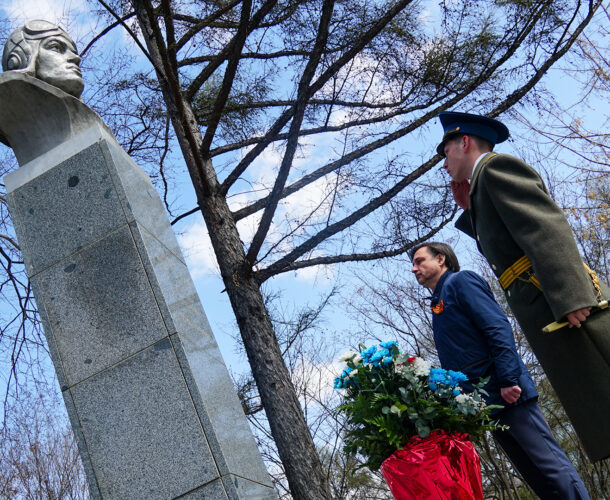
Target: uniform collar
x,y
477,163
439,286
475,173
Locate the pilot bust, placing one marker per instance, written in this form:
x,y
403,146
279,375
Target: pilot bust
x,y
45,51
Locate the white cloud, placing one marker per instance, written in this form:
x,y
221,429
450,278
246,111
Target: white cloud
x,y
314,274
247,227
318,379
266,166
310,198
55,11
339,117
197,248
309,205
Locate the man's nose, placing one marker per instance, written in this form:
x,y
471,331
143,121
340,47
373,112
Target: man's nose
x,y
74,57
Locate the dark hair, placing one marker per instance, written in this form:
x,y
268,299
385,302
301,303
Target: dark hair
x,y
451,260
482,144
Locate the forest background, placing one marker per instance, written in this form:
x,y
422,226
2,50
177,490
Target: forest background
x,y
303,133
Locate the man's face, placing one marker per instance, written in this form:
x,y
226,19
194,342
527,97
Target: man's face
x,y
428,268
457,163
57,64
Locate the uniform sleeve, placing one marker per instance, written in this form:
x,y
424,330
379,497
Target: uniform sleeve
x,y
476,300
464,224
541,230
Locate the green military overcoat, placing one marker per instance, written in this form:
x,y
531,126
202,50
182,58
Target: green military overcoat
x,y
511,214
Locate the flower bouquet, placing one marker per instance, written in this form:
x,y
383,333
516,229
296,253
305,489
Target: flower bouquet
x,y
413,422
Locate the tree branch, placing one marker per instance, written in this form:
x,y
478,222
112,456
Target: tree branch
x,y
327,128
169,80
186,214
308,179
170,34
122,22
351,219
203,23
288,262
265,274
513,98
295,126
317,85
248,55
107,30
206,72
227,81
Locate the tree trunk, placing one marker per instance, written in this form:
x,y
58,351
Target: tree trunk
x,y
306,477
304,471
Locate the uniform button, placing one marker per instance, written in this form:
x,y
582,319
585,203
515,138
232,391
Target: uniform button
x,y
508,293
493,266
478,238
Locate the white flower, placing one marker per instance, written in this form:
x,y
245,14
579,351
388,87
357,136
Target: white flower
x,y
468,399
346,356
403,369
357,360
352,373
421,367
464,398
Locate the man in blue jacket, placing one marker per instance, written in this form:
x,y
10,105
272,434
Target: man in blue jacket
x,y
473,335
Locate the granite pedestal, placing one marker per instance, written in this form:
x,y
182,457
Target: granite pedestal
x,y
149,397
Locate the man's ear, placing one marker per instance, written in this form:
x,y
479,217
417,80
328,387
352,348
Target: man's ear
x,y
466,142
440,258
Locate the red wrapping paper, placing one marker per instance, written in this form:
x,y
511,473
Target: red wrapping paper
x,y
441,466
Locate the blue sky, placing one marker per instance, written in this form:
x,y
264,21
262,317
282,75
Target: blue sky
x,y
296,288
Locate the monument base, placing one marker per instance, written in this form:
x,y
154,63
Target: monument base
x,y
147,392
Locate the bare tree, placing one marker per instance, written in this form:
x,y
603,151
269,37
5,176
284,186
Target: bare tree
x,y
21,339
38,456
308,347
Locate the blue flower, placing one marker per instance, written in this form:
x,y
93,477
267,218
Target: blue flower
x,y
456,392
456,377
338,383
388,344
378,356
433,386
438,375
387,360
367,353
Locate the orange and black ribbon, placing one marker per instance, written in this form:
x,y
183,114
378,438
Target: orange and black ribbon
x,y
438,308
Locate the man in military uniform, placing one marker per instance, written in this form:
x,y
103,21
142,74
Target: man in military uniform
x,y
473,335
527,241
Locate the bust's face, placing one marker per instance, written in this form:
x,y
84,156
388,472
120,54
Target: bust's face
x,y
57,64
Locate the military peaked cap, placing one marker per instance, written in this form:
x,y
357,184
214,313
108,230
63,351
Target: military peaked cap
x,y
466,123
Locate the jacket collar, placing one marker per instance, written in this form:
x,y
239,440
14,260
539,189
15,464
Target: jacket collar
x,y
439,286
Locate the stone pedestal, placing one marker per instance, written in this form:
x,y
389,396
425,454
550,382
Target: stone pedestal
x,y
149,397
